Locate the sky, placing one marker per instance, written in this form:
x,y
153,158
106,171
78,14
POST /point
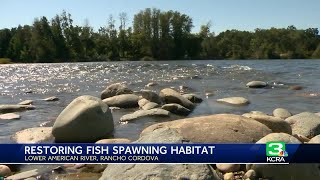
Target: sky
x,y
223,14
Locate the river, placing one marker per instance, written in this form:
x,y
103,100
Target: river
x,y
223,78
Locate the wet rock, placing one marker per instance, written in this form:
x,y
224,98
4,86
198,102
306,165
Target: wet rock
x,y
58,170
9,116
287,138
142,102
144,113
172,96
28,91
8,108
288,171
256,84
274,123
26,102
250,174
150,105
151,96
306,124
176,109
34,135
315,140
281,113
115,89
25,175
151,84
84,114
234,100
113,141
228,167
193,98
52,98
159,171
4,171
295,87
123,101
228,176
217,128
208,94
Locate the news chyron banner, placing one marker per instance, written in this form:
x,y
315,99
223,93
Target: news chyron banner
x,y
271,152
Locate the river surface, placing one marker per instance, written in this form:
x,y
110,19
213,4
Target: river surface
x,y
223,78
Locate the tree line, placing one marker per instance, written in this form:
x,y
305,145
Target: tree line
x,y
153,35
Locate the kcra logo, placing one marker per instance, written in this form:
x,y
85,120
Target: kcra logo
x,y
276,151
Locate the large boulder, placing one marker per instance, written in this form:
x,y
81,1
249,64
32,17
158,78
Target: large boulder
x,y
8,108
219,128
150,105
281,113
159,171
143,102
256,84
123,101
172,96
193,98
274,123
115,89
34,135
85,119
26,102
176,109
287,138
234,100
306,124
315,140
145,113
151,96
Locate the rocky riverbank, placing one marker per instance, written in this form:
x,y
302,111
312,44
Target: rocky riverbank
x,y
170,106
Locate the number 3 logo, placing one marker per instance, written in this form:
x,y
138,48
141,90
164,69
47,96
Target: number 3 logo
x,y
274,148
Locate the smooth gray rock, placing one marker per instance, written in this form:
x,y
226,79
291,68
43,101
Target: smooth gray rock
x,y
159,171
150,105
274,123
151,96
52,98
144,113
315,140
8,108
176,109
288,171
85,119
256,84
123,101
25,175
26,102
193,98
172,96
219,128
234,100
287,138
306,124
9,116
281,113
33,135
115,89
161,135
142,102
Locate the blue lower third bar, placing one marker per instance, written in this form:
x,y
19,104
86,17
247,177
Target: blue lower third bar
x,y
271,152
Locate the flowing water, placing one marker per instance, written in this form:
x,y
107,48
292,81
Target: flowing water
x,y
223,78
